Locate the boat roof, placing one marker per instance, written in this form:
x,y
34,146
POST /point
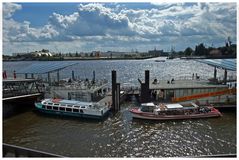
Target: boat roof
x,y
73,102
172,106
148,104
64,101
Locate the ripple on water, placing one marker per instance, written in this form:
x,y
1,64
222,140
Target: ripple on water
x,y
122,136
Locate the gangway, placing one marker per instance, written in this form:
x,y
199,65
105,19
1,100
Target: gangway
x,y
21,88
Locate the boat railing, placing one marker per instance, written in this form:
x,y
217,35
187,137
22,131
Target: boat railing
x,y
129,88
83,87
230,78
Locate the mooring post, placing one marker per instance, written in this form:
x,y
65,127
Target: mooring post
x,y
215,73
225,77
118,96
147,78
113,88
93,77
58,77
73,75
49,78
145,92
115,93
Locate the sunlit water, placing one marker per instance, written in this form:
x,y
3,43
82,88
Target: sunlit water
x,y
128,71
120,135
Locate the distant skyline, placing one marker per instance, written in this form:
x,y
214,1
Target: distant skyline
x,y
71,27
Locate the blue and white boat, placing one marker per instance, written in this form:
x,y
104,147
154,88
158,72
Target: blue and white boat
x,y
72,108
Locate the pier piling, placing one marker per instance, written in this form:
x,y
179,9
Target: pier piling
x,y
115,93
73,75
145,92
225,76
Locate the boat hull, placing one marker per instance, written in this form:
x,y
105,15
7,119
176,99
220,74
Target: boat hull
x,y
151,116
69,114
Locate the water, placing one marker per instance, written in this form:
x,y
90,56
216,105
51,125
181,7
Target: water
x,y
128,71
120,135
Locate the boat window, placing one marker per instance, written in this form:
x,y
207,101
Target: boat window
x,y
55,108
147,108
69,105
69,109
81,111
62,109
77,106
43,106
75,110
50,103
82,107
56,104
49,107
63,105
44,102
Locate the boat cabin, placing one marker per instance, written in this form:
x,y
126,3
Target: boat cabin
x,y
147,107
69,106
173,109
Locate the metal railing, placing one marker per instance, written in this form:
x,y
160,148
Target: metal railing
x,y
17,151
216,156
15,88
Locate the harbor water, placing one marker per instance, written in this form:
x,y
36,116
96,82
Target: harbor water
x,y
120,135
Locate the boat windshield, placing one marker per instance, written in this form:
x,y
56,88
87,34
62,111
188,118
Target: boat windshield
x,y
145,108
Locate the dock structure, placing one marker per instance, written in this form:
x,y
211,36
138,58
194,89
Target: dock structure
x,y
46,68
179,84
19,94
225,64
179,90
21,88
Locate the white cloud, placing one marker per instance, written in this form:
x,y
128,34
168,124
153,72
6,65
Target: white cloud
x,y
94,24
62,21
18,32
9,9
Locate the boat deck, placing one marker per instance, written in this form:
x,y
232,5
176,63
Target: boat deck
x,y
177,84
107,99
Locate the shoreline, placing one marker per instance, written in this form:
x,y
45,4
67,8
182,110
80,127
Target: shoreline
x,y
77,59
119,58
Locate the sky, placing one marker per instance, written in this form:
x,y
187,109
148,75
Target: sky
x,y
85,27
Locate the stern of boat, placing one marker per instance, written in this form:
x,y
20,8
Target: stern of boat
x,y
134,110
216,111
38,105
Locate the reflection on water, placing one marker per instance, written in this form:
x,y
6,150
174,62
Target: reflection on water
x,y
128,71
120,135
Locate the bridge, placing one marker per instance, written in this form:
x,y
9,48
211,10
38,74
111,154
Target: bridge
x,y
21,88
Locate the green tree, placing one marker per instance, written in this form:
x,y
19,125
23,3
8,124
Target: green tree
x,y
201,50
188,51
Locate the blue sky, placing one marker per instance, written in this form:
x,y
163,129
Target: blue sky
x,y
71,27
